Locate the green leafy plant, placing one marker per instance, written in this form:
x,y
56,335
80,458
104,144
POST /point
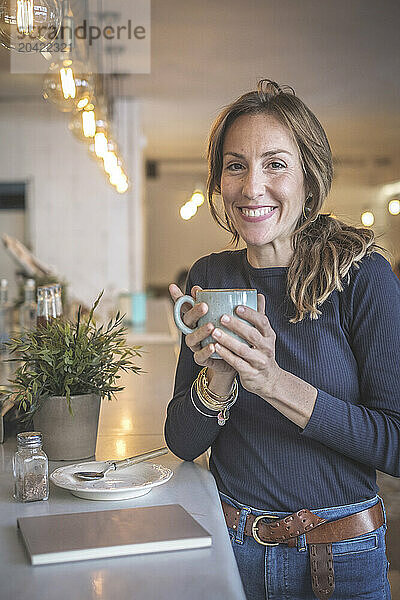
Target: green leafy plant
x,y
65,358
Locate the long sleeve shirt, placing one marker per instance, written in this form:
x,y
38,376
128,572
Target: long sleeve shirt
x,y
350,354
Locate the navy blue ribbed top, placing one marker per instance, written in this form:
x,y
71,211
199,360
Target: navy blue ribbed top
x,y
351,354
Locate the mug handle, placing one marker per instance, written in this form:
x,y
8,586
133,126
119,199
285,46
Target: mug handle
x,y
177,313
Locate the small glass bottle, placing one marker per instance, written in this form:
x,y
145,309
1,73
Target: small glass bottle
x,y
6,317
57,296
28,310
30,468
46,305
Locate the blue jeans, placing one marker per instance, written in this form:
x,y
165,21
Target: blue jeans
x,y
283,573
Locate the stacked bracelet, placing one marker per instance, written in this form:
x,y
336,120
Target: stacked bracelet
x,y
213,401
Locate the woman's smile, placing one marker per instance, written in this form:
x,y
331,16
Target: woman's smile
x,y
254,214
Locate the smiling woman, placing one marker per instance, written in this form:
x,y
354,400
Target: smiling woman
x,y
314,395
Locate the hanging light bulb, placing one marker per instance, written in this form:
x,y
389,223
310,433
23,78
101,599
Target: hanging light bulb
x,y
122,187
367,218
25,16
68,84
187,211
67,80
110,162
100,144
110,158
38,19
197,197
117,175
88,123
83,123
394,207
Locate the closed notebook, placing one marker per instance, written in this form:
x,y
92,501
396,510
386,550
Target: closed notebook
x,y
101,534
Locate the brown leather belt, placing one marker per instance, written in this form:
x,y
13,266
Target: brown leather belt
x,y
319,533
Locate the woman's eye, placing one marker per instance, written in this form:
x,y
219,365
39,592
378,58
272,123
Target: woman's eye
x,y
276,165
234,167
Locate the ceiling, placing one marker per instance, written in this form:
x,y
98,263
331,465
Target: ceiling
x,y
341,56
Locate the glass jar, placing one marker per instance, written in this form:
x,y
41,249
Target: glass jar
x,y
30,468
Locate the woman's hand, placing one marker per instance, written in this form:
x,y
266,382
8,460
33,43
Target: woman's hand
x,y
256,365
190,317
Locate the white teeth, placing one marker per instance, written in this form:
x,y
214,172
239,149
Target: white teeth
x,y
258,212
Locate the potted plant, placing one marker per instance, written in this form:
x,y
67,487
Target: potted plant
x,y
65,368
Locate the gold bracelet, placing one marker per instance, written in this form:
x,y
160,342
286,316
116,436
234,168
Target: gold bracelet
x,y
214,395
207,397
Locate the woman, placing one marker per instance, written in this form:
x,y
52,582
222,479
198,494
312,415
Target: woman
x,y
318,402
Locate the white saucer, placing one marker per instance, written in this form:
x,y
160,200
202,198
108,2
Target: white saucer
x,y
129,482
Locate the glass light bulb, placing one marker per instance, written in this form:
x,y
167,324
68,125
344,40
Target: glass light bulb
x,y
25,16
367,218
68,84
394,207
197,197
110,162
122,187
100,144
186,212
189,209
116,175
88,123
38,19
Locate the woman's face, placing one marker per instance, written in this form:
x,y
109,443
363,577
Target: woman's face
x,y
262,181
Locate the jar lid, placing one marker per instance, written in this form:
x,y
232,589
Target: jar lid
x,y
29,439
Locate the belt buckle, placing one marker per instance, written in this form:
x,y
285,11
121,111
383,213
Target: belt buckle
x,y
254,530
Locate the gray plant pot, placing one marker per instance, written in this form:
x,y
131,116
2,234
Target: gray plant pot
x,y
67,437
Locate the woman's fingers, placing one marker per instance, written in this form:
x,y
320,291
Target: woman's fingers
x,y
193,339
174,291
203,356
191,314
191,317
194,290
261,304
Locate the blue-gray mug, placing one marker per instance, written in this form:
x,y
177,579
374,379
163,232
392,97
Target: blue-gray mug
x,y
219,302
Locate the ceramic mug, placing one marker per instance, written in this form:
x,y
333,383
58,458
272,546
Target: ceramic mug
x,y
219,302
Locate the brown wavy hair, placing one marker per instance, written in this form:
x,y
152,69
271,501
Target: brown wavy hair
x,y
324,248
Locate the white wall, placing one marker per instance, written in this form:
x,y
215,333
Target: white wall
x,y
78,223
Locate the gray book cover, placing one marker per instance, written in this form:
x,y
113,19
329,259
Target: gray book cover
x,y
100,534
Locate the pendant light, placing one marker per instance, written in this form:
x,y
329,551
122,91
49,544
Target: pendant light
x,y
68,84
83,123
29,20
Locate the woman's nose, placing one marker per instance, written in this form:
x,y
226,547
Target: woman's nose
x,y
253,185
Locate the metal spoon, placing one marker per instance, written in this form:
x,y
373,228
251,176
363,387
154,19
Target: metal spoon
x,y
113,465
